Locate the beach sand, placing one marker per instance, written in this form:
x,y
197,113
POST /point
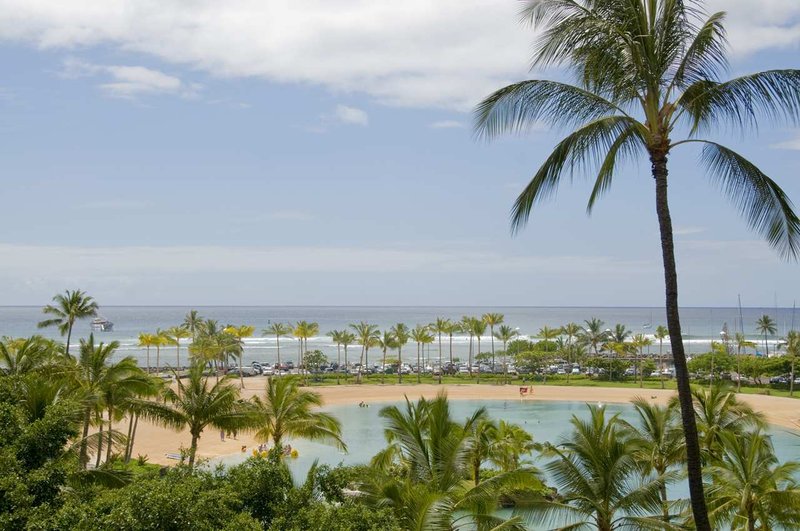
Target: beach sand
x,y
156,442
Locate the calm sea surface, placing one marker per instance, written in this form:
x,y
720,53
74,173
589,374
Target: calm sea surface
x,y
700,325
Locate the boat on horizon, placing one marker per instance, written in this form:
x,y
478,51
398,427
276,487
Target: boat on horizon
x,y
101,324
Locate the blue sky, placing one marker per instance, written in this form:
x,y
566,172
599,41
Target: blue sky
x,y
314,152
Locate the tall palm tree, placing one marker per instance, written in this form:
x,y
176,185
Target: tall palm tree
x,y
572,331
647,69
661,333
505,334
419,335
639,342
174,336
452,328
766,325
657,442
348,338
466,326
597,476
199,405
147,341
159,339
68,308
792,344
240,332
492,320
366,335
749,489
482,437
278,330
441,326
385,342
289,411
336,337
302,331
742,344
400,335
193,323
593,334
477,329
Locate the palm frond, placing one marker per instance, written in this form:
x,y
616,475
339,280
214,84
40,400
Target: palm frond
x,y
773,94
519,107
765,205
584,147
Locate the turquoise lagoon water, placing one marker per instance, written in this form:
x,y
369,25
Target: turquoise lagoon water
x,y
363,431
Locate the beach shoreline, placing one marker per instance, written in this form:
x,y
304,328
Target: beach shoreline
x,y
156,442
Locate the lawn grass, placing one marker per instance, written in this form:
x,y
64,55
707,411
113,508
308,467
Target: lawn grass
x,y
560,380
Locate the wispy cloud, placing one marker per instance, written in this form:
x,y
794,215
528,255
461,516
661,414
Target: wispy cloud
x,y
130,82
447,124
792,144
351,115
290,215
685,231
116,204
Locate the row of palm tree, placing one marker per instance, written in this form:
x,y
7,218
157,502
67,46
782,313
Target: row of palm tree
x,y
109,390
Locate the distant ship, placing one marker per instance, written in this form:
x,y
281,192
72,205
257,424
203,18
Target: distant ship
x,y
101,324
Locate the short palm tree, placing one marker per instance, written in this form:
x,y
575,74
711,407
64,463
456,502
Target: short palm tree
x,y
198,405
160,339
240,332
492,320
27,355
278,330
599,479
766,325
657,442
571,331
593,334
511,442
193,323
400,335
718,411
647,70
147,341
366,334
68,308
348,338
749,489
287,411
421,474
505,334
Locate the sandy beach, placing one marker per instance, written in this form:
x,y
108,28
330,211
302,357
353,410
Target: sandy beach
x,y
156,442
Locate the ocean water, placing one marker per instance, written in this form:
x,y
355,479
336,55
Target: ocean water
x,y
700,325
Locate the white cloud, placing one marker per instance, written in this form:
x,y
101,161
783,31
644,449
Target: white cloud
x,y
422,53
792,144
447,124
129,82
73,261
351,115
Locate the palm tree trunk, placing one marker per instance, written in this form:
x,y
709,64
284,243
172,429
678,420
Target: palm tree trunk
x,y
693,463
345,363
148,359
661,360
127,456
399,364
108,448
192,451
664,501
383,372
505,362
87,416
100,440
338,361
158,359
69,336
440,359
451,349
419,368
133,435
791,381
478,354
491,331
241,375
278,341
